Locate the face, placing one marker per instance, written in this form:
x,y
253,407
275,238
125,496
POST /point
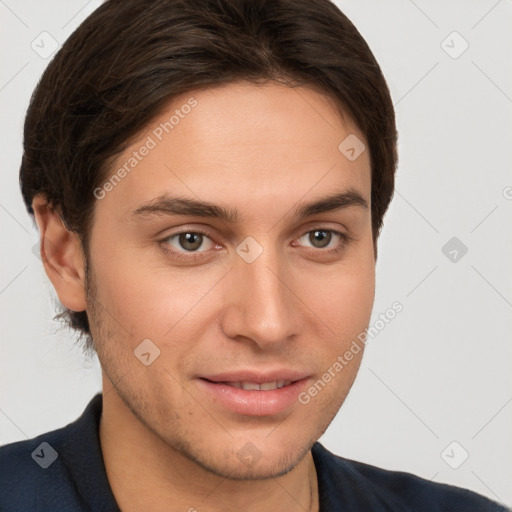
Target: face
x,y
231,264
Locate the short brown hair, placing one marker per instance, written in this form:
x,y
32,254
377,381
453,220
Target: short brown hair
x,y
131,57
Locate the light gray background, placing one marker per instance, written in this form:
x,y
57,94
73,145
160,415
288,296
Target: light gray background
x,y
440,371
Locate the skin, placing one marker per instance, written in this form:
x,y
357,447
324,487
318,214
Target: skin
x,y
262,150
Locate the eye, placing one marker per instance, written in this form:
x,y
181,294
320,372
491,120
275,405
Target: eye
x,y
189,241
322,238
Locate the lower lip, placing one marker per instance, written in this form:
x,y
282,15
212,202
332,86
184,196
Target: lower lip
x,y
253,402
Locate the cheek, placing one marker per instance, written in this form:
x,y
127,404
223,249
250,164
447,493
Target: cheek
x,y
351,302
149,299
343,297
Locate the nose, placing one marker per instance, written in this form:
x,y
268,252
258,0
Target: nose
x,y
260,304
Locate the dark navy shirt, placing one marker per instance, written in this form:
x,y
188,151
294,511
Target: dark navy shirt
x,y
63,471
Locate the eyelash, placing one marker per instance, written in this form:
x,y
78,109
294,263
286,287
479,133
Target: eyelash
x,y
193,255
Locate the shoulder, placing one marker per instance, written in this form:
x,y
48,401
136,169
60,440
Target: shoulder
x,y
344,481
30,470
61,470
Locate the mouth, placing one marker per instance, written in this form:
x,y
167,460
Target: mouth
x,y
253,394
254,386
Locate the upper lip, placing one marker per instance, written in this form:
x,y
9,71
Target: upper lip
x,y
256,376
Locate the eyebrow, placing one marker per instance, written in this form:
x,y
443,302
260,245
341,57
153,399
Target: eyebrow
x,y
169,205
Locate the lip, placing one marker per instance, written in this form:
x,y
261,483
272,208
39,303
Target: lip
x,y
256,376
254,402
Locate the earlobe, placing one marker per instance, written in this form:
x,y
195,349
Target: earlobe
x,y
62,255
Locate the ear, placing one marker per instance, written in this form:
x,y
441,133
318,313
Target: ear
x,y
62,255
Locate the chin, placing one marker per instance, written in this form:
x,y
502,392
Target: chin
x,y
242,460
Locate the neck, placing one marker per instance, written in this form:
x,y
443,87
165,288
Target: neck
x,y
145,473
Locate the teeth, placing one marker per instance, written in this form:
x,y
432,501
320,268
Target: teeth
x,y
267,386
250,386
264,386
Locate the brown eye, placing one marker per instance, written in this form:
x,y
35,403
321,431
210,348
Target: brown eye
x,y
320,238
190,241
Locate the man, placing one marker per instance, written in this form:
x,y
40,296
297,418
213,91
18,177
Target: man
x,y
209,180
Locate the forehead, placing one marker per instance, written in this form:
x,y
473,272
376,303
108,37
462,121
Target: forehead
x,y
243,144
